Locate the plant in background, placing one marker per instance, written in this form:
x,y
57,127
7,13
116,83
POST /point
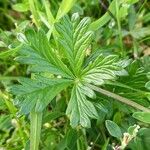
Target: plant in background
x,y
115,131
72,74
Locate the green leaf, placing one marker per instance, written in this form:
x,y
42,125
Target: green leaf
x,y
79,109
37,93
107,17
147,85
74,39
21,7
5,122
69,141
52,115
64,8
41,57
68,60
132,129
49,14
142,116
2,44
132,1
139,33
113,129
100,69
141,142
10,52
104,19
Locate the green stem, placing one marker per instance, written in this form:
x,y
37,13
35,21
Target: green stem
x,y
35,129
119,98
49,14
135,49
34,12
106,144
119,26
94,143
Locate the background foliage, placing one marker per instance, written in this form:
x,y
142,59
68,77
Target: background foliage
x,y
62,47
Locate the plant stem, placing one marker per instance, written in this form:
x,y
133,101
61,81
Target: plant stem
x,y
35,129
94,143
34,12
119,26
119,98
49,14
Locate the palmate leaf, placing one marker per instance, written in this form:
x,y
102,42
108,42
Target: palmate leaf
x,y
73,40
37,93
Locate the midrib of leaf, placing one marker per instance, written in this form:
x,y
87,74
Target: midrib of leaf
x,y
78,104
80,95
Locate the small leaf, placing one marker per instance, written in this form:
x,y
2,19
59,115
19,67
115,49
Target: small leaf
x,y
113,129
64,8
21,7
133,130
2,44
142,116
69,140
10,52
104,19
139,33
147,85
52,115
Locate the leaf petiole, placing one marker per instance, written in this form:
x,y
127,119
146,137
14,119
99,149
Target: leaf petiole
x,y
119,98
35,129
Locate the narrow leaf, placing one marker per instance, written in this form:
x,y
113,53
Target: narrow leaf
x,y
113,129
142,116
64,8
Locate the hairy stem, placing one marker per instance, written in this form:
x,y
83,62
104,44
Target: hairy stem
x,y
119,98
35,129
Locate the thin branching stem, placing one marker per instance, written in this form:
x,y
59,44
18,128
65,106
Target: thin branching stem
x,y
119,98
